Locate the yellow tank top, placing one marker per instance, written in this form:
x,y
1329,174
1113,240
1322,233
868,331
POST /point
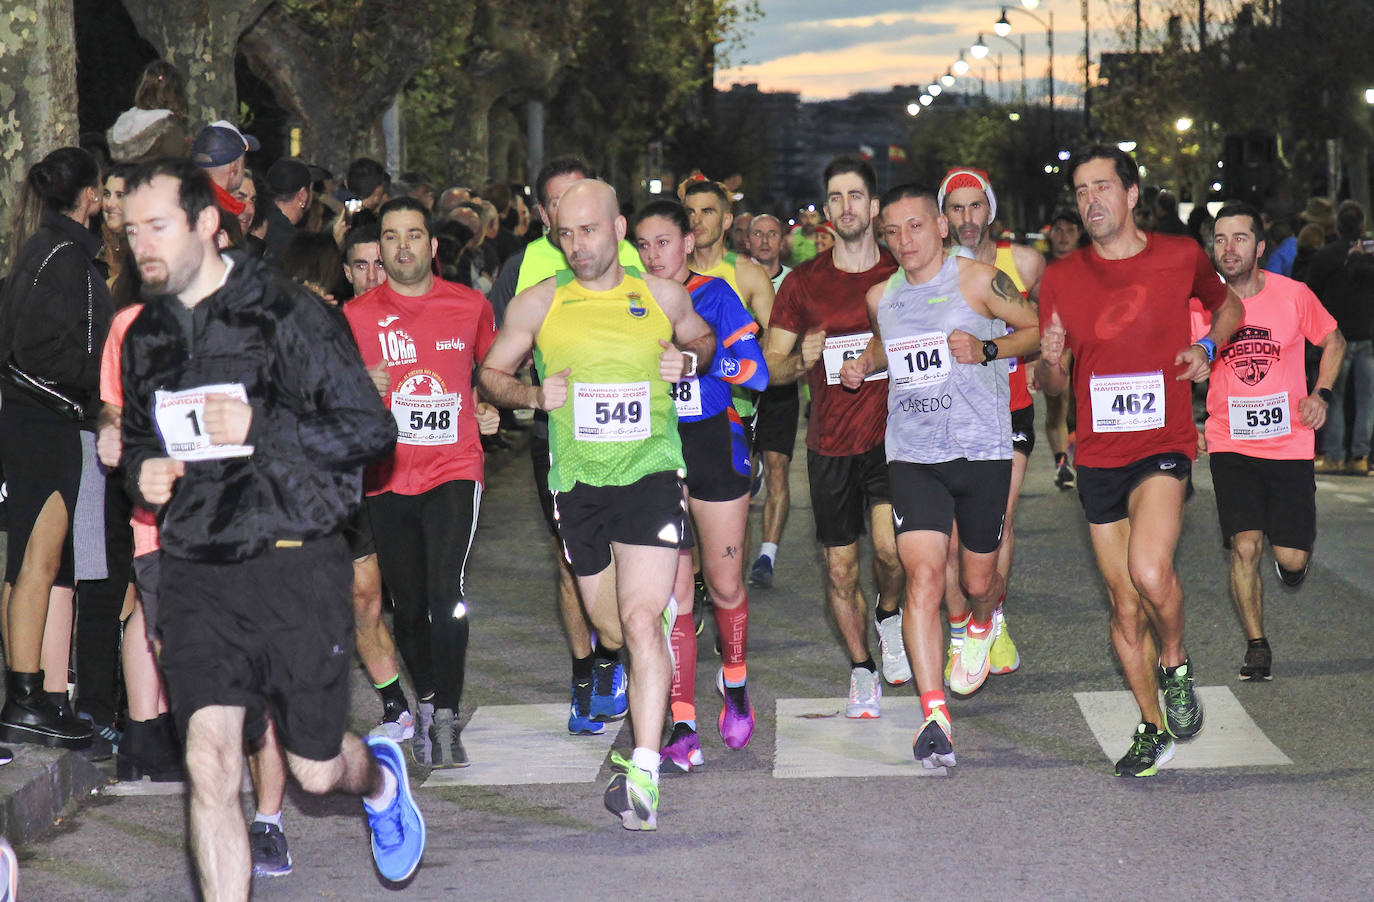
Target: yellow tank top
x,y
1007,264
619,423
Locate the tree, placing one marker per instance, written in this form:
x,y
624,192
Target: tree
x,y
37,93
201,38
339,64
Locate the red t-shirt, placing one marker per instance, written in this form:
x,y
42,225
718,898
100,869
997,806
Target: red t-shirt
x,y
1126,320
1259,376
431,345
814,296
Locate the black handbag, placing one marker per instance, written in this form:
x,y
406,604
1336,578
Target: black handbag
x,y
42,391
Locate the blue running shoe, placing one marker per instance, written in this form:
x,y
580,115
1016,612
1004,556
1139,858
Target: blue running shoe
x,y
580,720
609,701
398,833
761,574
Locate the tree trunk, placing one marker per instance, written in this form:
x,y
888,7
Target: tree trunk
x,y
37,93
200,37
471,133
336,92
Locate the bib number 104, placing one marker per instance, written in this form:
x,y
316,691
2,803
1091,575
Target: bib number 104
x,y
1133,403
920,361
619,412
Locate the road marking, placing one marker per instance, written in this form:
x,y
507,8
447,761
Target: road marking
x,y
1355,499
511,744
815,739
1229,738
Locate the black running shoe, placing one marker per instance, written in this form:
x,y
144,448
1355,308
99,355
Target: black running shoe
x,y
1150,748
1257,661
1182,710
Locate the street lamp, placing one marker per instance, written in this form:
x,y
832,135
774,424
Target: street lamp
x,y
1030,4
1369,95
934,89
913,108
1183,124
981,49
961,65
1003,28
947,79
926,100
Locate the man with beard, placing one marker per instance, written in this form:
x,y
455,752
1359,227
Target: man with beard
x,y
819,321
1261,421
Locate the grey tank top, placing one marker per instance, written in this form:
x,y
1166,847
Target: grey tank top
x,y
937,408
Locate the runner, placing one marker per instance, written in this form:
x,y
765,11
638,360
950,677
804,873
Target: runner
x,y
716,452
262,398
966,198
1260,441
1066,237
940,330
598,677
600,333
424,499
775,423
1119,311
821,318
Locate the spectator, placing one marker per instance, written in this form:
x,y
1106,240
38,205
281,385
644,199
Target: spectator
x,y
1166,215
121,276
1279,238
366,181
54,313
155,126
288,181
312,259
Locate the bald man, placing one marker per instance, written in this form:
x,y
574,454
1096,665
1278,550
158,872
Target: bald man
x,y
610,341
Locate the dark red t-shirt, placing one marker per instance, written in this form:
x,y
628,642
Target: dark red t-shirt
x,y
814,296
1125,321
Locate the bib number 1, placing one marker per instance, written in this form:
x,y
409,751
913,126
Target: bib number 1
x,y
180,417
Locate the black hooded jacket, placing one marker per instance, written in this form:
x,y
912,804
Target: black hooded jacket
x,y
317,419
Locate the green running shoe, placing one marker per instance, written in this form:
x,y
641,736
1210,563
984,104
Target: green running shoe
x,y
1150,748
1182,710
632,796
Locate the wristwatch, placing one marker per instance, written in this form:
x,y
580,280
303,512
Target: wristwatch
x,y
1208,346
689,369
1325,395
989,352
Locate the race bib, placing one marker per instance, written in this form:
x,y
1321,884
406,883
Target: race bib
x,y
180,417
1129,403
918,360
1256,418
611,411
426,419
838,349
687,397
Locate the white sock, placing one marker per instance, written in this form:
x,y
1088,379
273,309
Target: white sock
x,y
383,799
647,760
770,551
273,819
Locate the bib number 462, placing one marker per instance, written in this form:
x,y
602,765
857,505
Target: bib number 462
x,y
1133,403
620,412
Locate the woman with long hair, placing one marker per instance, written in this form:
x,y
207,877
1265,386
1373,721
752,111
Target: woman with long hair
x,y
54,312
155,126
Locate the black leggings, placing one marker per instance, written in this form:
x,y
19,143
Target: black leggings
x,y
423,542
98,605
41,452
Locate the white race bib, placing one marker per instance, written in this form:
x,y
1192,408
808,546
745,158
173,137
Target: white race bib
x,y
1128,403
180,419
687,397
1256,418
611,411
918,360
838,349
426,419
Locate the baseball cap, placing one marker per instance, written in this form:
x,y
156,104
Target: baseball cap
x,y
215,146
287,176
252,143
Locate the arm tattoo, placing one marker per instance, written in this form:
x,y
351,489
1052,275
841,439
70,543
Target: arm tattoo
x,y
1005,288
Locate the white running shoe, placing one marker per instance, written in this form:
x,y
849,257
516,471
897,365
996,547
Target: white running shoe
x,y
896,667
970,668
865,695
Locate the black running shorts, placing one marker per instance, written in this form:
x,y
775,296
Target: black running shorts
x,y
775,423
1105,492
1023,430
1276,497
273,631
934,496
842,491
651,511
713,450
357,532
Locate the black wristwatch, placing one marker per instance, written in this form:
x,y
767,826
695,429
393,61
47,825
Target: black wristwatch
x,y
1325,395
989,352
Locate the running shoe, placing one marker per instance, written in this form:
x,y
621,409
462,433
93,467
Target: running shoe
x,y
970,670
9,872
632,796
1290,578
896,668
1257,662
398,831
865,695
422,745
268,845
1002,656
761,574
1065,478
702,599
952,652
6,755
1182,709
580,722
736,721
1150,748
683,750
609,701
934,745
397,725
448,740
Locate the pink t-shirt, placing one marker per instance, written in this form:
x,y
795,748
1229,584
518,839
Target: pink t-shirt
x,y
1259,376
143,520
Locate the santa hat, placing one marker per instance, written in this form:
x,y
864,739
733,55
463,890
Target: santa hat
x,y
967,177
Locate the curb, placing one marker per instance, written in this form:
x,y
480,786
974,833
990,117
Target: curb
x,y
38,786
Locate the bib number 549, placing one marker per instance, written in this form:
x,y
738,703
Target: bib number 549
x,y
620,412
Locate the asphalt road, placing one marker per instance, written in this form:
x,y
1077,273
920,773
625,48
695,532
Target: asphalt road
x,y
1031,811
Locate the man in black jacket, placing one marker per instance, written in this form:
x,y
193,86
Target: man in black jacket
x,y
248,418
